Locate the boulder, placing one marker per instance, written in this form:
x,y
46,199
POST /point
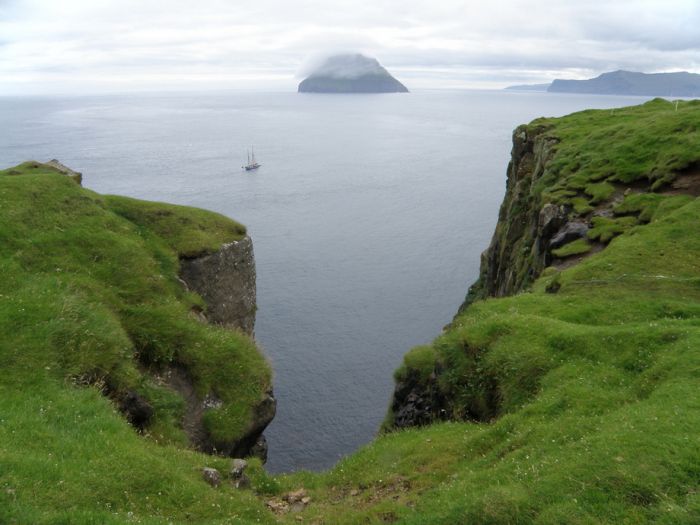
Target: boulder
x,y
238,467
570,232
211,476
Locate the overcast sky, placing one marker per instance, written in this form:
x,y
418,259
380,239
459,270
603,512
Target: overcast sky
x,y
63,46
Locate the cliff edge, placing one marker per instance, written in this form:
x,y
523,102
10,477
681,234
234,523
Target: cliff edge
x,y
226,281
570,191
565,389
178,360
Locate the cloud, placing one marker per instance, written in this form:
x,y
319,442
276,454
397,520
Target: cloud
x,y
74,45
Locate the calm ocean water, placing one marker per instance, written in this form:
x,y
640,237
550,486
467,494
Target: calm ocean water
x,y
368,217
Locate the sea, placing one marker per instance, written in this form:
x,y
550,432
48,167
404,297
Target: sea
x,y
368,217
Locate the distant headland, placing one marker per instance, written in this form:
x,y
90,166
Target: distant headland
x,y
351,73
678,84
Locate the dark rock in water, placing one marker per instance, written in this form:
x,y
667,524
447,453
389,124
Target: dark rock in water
x,y
678,84
570,232
352,73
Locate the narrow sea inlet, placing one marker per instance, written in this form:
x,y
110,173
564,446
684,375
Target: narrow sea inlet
x,y
368,217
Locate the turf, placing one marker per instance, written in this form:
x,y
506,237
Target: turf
x,y
596,150
90,303
592,396
575,403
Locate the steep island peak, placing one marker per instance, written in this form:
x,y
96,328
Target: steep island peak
x,y
350,73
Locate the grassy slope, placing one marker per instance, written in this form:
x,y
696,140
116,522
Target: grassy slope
x,y
598,418
599,413
649,143
90,300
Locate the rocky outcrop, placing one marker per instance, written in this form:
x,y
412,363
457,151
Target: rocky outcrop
x,y
569,232
526,233
226,281
417,402
56,164
252,442
520,248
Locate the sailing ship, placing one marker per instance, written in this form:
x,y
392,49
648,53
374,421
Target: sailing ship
x,y
252,163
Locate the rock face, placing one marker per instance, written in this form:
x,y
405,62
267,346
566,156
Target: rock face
x,y
252,443
75,175
526,233
520,248
570,232
226,281
353,73
679,84
137,410
416,403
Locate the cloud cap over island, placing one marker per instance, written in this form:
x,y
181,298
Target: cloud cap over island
x,y
74,46
350,73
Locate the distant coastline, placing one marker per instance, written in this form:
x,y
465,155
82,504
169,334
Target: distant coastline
x,y
630,83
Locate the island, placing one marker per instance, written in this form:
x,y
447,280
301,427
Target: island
x,y
529,87
630,83
678,84
351,73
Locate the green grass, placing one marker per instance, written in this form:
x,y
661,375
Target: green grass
x,y
188,231
605,228
577,247
600,191
596,149
90,302
581,206
596,417
574,403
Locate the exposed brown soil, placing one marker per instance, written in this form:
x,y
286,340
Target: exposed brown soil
x,y
687,183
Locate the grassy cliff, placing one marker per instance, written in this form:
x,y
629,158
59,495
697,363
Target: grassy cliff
x,y
572,401
92,315
572,397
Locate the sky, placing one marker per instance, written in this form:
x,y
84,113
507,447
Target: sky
x,y
73,46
